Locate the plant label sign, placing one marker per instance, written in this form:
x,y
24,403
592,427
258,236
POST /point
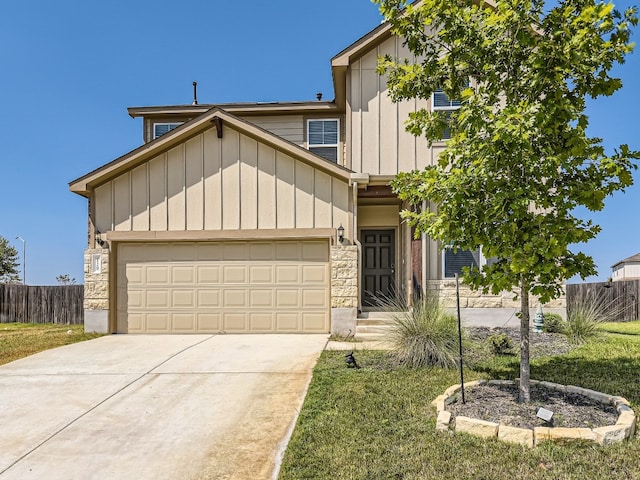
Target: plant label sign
x,y
544,414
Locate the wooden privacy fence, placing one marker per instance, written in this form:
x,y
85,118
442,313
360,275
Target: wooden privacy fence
x,y
54,304
621,299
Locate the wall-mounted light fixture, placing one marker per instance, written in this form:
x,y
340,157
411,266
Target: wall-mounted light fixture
x,y
99,239
340,233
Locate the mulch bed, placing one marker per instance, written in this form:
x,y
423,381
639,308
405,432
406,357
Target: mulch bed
x,y
499,403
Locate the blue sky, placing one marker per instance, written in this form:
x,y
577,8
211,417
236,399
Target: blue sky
x,y
71,68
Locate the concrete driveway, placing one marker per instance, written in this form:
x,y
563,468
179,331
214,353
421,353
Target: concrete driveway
x,y
154,407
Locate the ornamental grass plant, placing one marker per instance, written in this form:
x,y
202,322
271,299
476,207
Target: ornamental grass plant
x,y
423,334
585,315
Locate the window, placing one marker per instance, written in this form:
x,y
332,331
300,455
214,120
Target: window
x,y
440,102
322,138
455,260
160,129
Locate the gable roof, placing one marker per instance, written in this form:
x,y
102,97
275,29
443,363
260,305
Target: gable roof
x,y
631,259
184,132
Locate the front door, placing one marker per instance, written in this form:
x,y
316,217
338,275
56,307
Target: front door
x,y
378,266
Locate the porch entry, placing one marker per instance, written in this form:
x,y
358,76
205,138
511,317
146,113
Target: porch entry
x,y
378,266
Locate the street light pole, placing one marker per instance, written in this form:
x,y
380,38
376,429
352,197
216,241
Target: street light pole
x,y
24,259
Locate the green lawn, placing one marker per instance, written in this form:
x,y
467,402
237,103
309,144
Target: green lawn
x,y
18,340
377,422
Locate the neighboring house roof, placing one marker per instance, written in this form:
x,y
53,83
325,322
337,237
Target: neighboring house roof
x,y
631,259
205,121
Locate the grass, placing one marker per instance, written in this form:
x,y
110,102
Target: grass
x,y
19,340
377,422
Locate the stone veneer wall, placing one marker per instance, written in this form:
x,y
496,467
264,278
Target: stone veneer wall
x,y
446,291
344,290
344,276
96,292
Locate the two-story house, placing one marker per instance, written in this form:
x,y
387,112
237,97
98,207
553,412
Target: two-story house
x,y
265,217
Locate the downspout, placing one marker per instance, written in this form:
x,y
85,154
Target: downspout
x,y
355,240
424,254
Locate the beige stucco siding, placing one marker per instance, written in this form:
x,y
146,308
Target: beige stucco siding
x,y
233,183
376,133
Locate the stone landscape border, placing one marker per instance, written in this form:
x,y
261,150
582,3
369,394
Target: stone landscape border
x,y
623,429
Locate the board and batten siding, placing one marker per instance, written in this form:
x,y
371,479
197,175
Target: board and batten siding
x,y
233,183
290,127
379,143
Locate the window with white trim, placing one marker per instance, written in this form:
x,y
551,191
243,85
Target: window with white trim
x,y
160,129
441,102
322,137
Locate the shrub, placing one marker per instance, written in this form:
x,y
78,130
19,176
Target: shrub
x,y
424,334
554,323
584,316
501,344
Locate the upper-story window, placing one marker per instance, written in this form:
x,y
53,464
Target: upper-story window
x,y
322,138
162,128
441,102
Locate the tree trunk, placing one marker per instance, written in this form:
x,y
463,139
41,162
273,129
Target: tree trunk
x,y
525,368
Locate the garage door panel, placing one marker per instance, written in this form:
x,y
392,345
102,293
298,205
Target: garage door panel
x,y
314,298
234,274
287,298
235,298
182,274
133,299
157,322
183,322
287,321
157,275
287,251
260,274
208,299
261,322
235,322
183,298
157,299
209,322
135,324
287,274
236,251
315,251
234,287
316,274
134,274
262,251
313,321
209,252
261,299
209,274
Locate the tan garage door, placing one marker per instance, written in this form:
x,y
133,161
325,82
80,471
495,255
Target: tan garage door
x,y
233,287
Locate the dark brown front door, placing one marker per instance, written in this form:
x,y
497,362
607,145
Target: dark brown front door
x,y
378,266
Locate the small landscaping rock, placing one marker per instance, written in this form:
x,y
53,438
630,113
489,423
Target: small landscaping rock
x,y
479,428
611,434
444,418
521,436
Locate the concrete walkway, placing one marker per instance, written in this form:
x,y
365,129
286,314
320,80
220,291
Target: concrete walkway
x,y
154,407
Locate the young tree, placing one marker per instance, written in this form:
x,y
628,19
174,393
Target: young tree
x,y
65,279
8,262
519,160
